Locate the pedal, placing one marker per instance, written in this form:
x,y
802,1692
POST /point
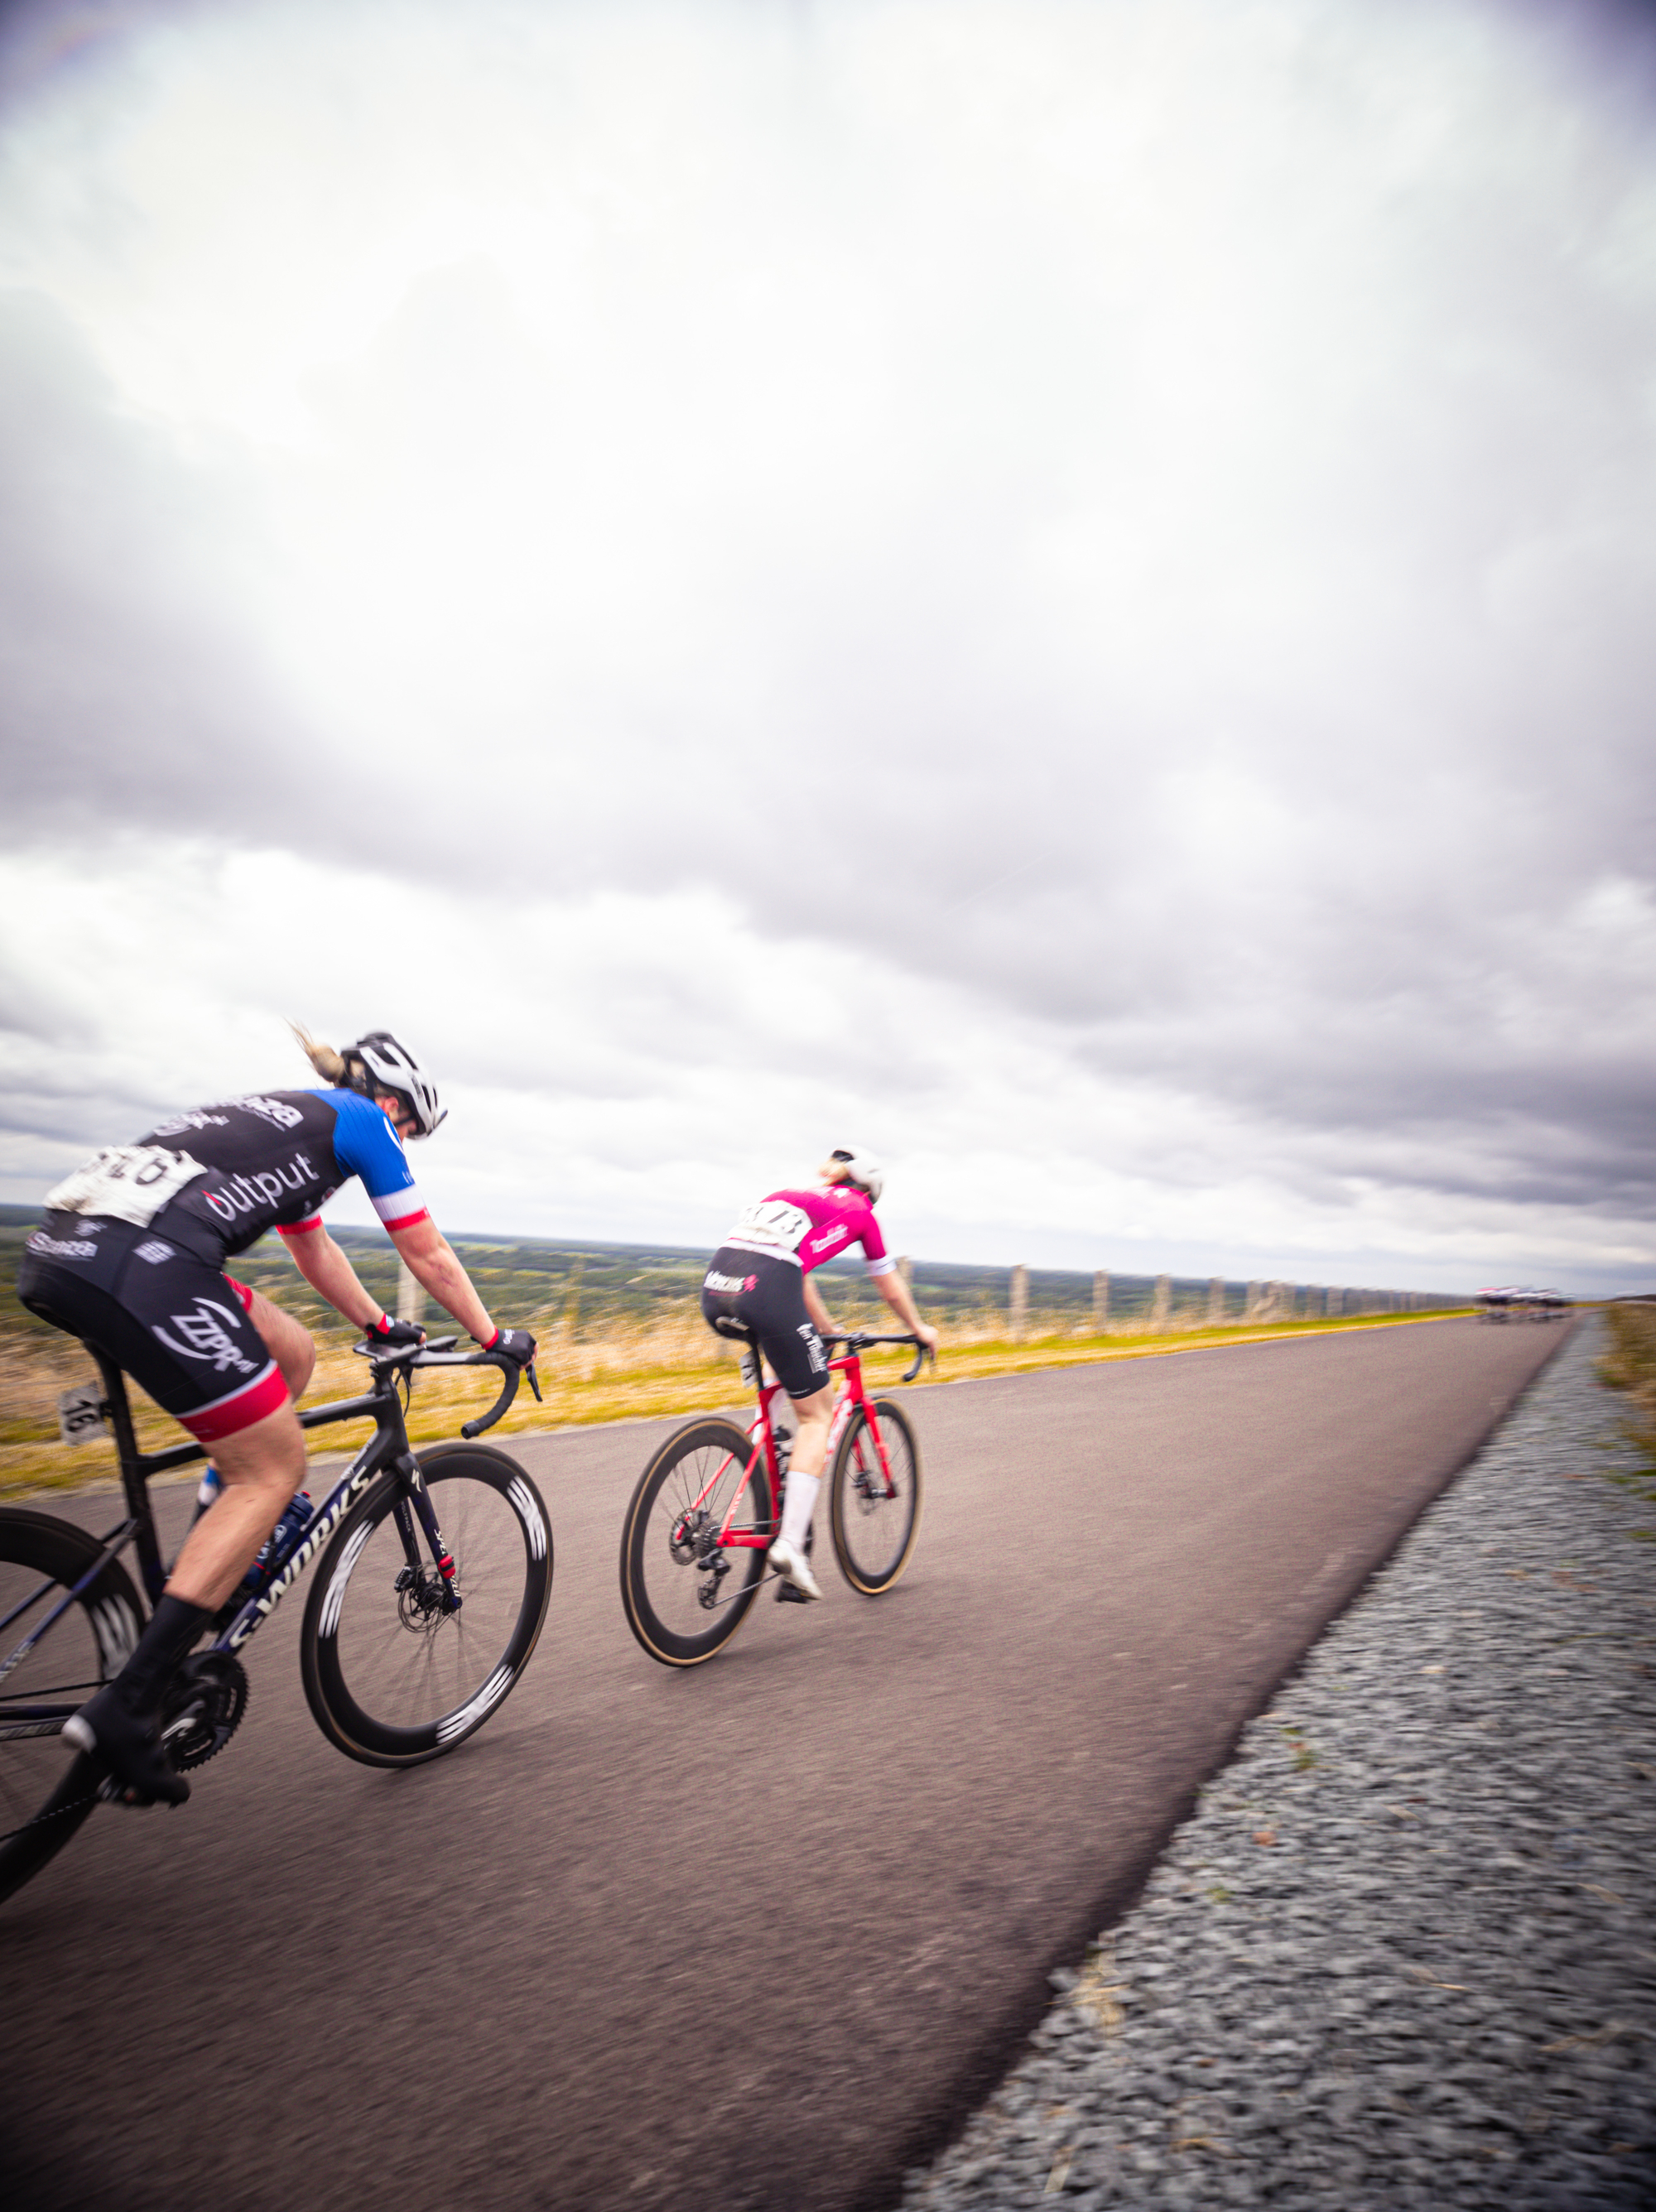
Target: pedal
x,y
787,1595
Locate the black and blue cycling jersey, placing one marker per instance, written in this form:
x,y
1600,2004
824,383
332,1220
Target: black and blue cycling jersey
x,y
218,1177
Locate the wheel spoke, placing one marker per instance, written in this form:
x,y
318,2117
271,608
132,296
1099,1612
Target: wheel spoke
x,y
684,1586
875,1508
395,1678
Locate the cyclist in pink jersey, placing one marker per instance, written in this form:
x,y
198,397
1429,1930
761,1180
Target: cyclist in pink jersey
x,y
760,1280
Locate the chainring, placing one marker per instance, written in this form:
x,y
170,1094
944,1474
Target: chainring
x,y
204,1708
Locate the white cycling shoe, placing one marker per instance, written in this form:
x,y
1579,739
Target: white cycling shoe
x,y
792,1564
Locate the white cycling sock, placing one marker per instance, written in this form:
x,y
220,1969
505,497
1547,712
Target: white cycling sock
x,y
797,1507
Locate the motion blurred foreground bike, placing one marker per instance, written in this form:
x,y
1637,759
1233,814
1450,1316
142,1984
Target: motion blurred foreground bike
x,y
436,1572
708,1507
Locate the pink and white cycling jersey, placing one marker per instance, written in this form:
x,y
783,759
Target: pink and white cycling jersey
x,y
810,1226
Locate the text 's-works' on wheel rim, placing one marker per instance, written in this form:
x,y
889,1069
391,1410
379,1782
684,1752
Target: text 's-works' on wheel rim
x,y
684,1592
393,1678
45,1791
873,1531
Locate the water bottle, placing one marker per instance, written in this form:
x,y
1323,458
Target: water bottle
x,y
295,1514
210,1487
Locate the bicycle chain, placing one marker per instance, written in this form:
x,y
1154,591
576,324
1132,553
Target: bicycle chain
x,y
57,1813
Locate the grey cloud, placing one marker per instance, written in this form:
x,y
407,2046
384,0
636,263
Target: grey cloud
x,y
1282,801
133,694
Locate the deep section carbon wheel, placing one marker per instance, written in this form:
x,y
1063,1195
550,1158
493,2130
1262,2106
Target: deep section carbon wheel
x,y
395,1672
45,1790
685,1589
874,1508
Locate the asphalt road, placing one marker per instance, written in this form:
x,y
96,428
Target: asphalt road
x,y
750,1935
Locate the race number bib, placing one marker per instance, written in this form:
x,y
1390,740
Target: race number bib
x,y
773,1222
129,1182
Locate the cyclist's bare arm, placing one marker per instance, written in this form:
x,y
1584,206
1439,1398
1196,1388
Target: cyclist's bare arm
x,y
426,1250
898,1297
326,1269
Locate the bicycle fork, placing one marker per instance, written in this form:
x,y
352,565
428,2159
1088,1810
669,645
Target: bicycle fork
x,y
415,1503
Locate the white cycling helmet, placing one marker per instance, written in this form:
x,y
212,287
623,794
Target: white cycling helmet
x,y
862,1168
388,1066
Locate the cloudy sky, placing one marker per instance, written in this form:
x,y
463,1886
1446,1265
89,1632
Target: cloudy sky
x,y
1063,589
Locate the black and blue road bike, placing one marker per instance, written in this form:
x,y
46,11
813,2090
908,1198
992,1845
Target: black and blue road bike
x,y
436,1570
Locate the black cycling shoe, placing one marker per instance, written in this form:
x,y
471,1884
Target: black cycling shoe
x,y
129,1745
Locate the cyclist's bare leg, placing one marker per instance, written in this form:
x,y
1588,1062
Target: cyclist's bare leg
x,y
789,1553
262,1466
815,1416
288,1342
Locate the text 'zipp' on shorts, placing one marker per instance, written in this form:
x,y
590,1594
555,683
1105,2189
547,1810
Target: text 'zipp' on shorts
x,y
768,1296
160,1313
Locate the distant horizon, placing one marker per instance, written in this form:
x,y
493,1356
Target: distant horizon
x,y
13,1215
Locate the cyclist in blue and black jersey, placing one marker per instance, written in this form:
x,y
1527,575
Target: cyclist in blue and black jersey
x,y
131,1258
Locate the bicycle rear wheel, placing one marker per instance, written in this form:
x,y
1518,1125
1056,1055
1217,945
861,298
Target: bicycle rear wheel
x,y
684,1593
392,1679
875,1520
46,1792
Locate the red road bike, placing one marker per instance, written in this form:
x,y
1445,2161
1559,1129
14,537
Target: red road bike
x,y
708,1505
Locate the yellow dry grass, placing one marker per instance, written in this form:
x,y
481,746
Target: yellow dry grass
x,y
657,1369
1630,1365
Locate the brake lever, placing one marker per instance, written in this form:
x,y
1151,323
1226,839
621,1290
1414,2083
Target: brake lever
x,y
535,1381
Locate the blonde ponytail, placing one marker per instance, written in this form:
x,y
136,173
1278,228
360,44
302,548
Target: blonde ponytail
x,y
329,1064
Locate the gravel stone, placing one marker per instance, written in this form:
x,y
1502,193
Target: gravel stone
x,y
1437,1987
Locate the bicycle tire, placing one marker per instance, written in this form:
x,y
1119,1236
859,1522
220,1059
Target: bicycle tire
x,y
45,1794
662,1585
392,1679
873,1534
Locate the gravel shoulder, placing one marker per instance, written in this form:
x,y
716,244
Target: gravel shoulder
x,y
1402,1954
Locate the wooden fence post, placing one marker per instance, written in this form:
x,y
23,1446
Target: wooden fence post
x,y
1018,1302
1100,1302
410,1296
1216,1301
1162,1305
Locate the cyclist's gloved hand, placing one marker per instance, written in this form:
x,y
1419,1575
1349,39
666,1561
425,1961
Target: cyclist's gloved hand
x,y
517,1345
392,1335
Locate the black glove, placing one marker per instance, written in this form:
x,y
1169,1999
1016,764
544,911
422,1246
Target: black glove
x,y
516,1344
392,1335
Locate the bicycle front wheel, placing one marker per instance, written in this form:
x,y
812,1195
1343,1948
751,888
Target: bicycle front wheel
x,y
874,1509
393,1675
685,1589
46,1791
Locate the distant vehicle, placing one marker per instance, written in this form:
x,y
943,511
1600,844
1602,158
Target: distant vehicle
x,y
1517,1302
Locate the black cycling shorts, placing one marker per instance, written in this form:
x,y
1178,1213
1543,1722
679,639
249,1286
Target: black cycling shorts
x,y
159,1311
755,1291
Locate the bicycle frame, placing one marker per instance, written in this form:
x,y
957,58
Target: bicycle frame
x,y
388,1447
762,1429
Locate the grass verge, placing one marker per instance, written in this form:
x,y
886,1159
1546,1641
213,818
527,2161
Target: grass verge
x,y
1630,1365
